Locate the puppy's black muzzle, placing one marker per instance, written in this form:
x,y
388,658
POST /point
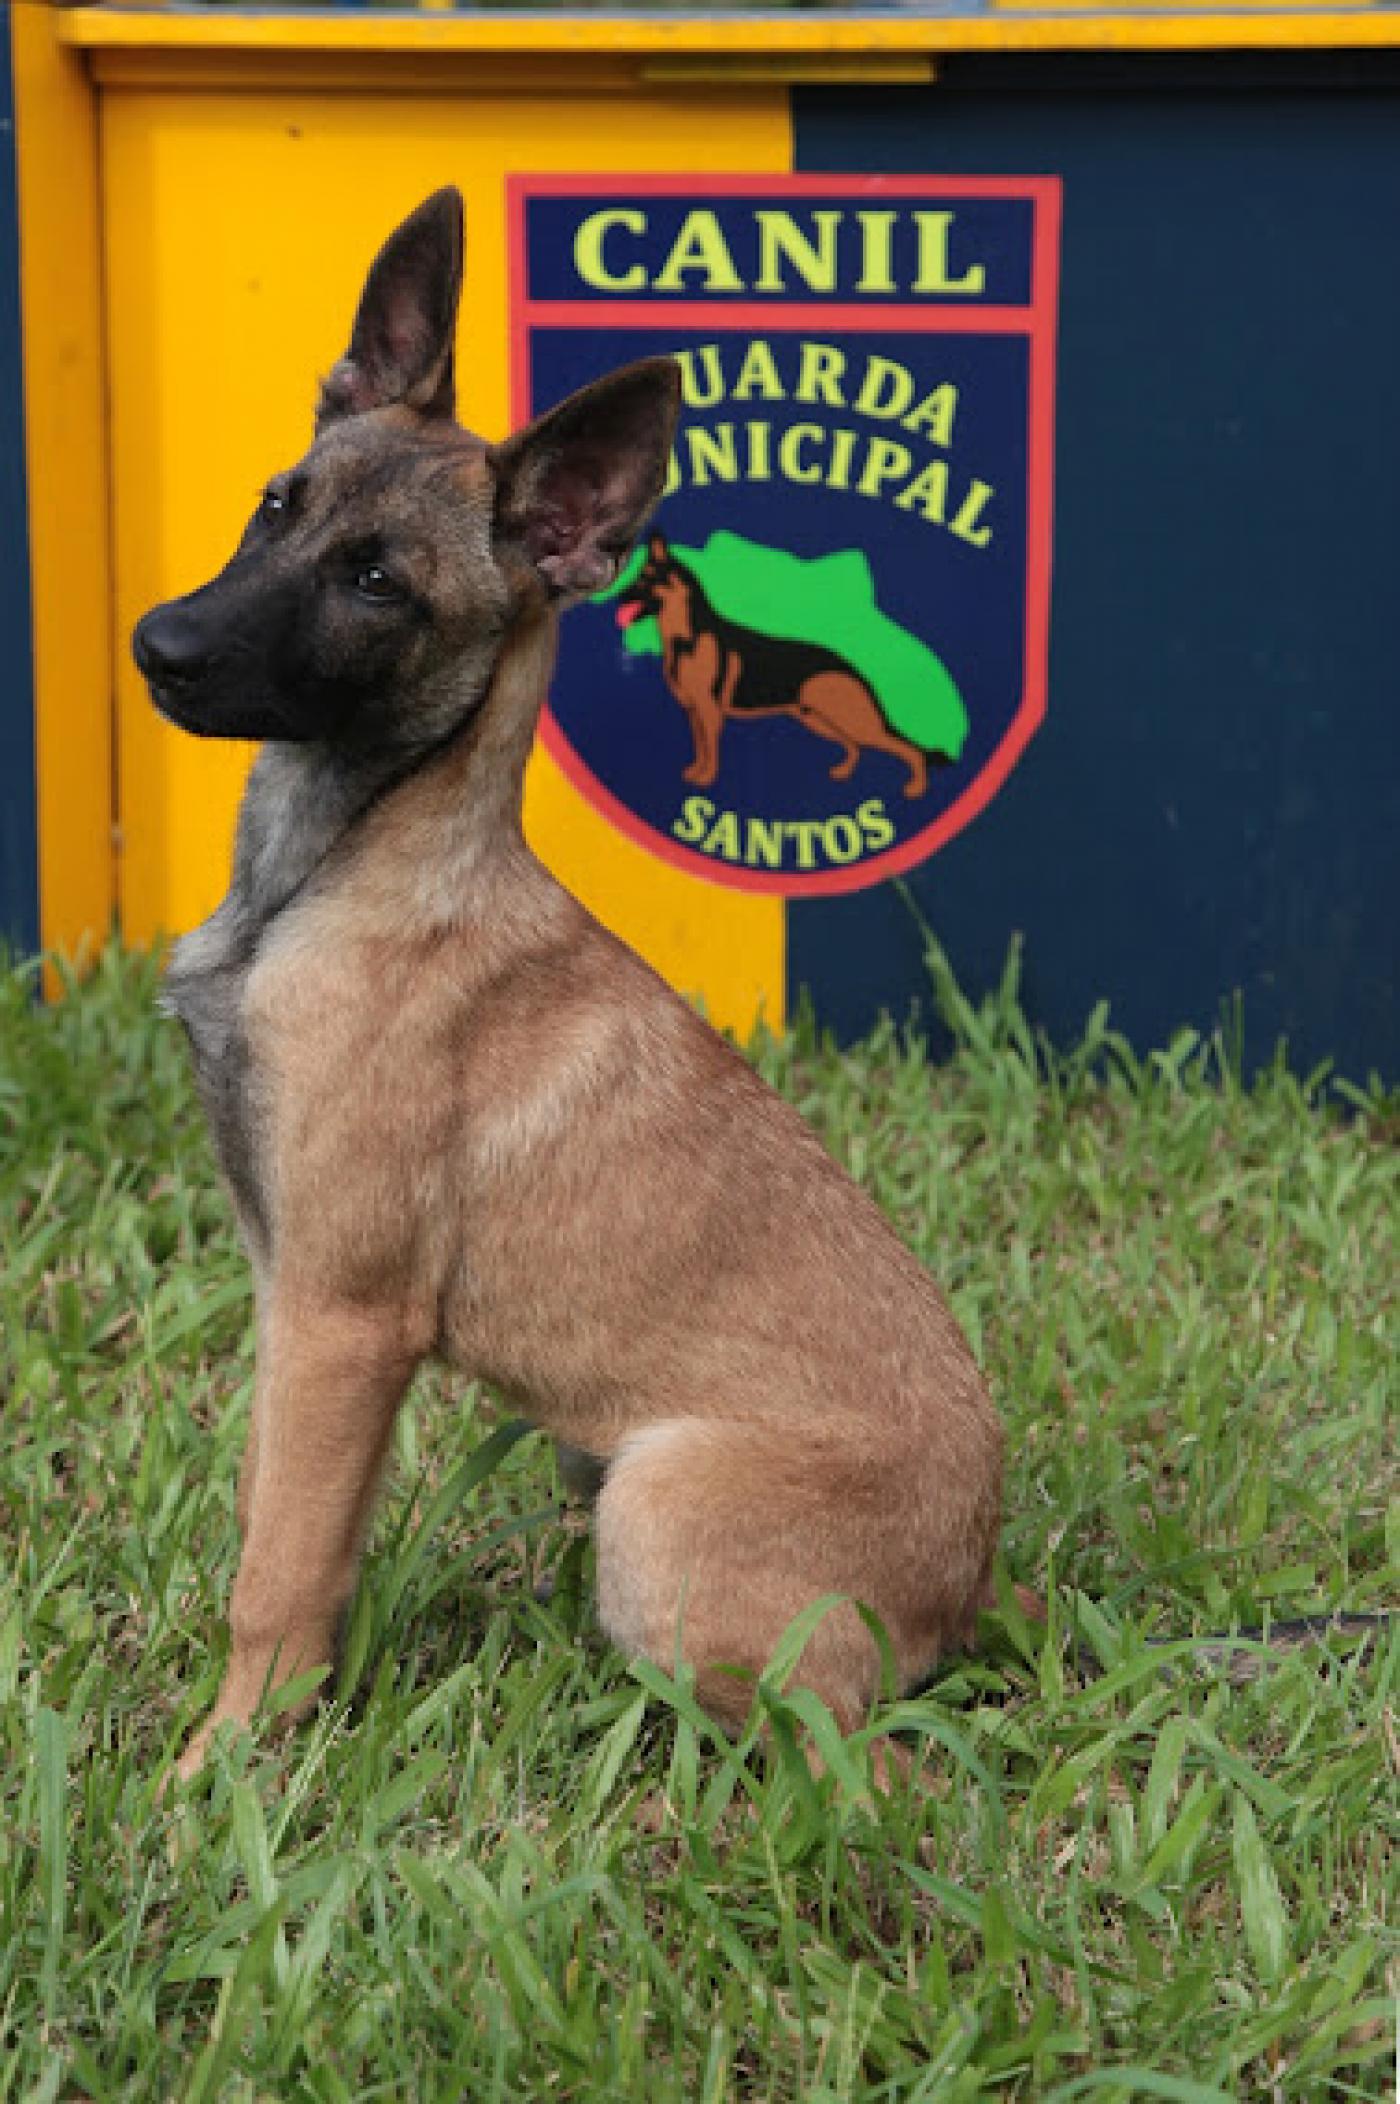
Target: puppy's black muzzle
x,y
207,658
173,653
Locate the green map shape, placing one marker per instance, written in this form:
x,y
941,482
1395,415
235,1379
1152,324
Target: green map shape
x,y
829,601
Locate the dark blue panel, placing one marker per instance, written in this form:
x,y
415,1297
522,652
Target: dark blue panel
x,y
19,905
1212,802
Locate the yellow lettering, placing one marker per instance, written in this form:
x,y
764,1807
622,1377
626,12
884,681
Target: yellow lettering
x,y
780,241
699,246
758,374
789,462
876,825
935,414
885,462
696,396
935,232
973,505
819,378
838,474
765,843
841,839
876,274
712,455
805,832
887,389
723,836
696,813
588,250
759,469
929,491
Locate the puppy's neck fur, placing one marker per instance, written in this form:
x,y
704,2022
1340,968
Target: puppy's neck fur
x,y
446,846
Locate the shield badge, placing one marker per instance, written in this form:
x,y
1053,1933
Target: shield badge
x,y
831,650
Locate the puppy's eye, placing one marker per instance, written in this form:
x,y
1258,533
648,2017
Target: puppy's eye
x,y
273,506
376,584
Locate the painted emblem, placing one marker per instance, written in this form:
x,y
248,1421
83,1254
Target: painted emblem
x,y
831,650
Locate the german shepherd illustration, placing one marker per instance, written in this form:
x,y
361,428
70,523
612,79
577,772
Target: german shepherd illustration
x,y
717,669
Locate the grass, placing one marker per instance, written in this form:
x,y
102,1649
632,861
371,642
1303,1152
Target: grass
x,y
502,1864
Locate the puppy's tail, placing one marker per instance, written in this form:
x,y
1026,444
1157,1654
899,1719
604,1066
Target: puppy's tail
x,y
1243,1656
1245,1653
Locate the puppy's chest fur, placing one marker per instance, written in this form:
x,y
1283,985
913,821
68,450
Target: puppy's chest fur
x,y
298,803
205,988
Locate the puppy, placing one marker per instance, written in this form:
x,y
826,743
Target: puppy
x,y
458,1118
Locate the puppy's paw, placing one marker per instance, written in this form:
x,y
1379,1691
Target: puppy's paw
x,y
194,1755
196,1752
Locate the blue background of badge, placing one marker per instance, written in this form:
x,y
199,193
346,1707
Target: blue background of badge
x,y
993,231
1214,799
966,603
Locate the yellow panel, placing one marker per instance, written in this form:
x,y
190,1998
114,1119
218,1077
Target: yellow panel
x,y
65,443
1041,28
239,227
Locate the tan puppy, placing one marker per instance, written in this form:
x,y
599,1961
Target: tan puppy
x,y
458,1118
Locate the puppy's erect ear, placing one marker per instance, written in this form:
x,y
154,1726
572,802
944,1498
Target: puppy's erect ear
x,y
401,344
575,487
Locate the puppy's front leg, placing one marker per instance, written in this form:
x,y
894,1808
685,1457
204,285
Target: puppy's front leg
x,y
248,1467
329,1381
